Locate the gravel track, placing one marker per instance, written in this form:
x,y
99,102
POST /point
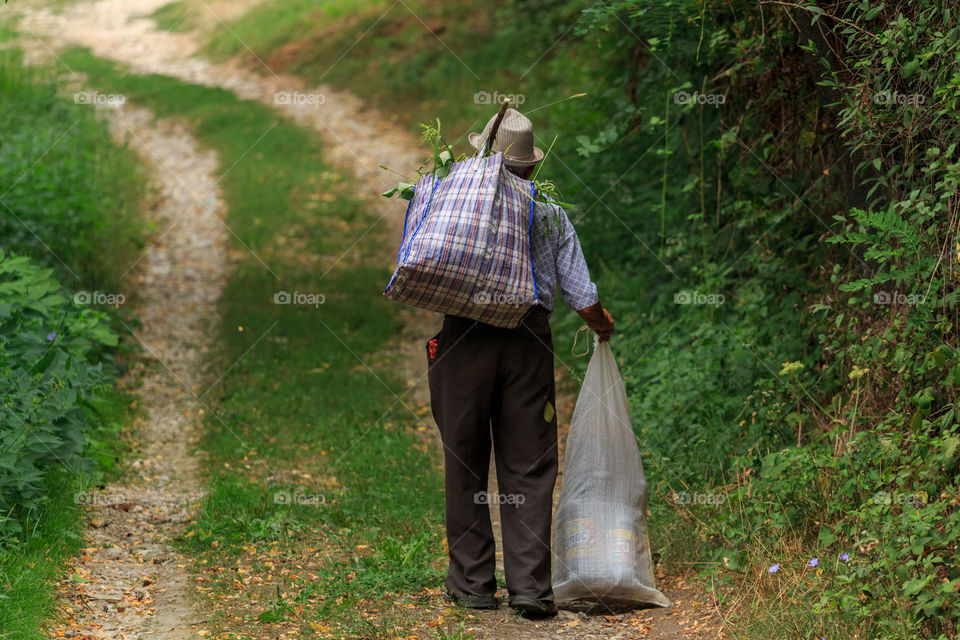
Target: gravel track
x,y
129,582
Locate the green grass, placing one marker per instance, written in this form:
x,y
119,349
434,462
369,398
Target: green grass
x,y
8,27
30,566
289,22
110,439
308,403
176,16
70,197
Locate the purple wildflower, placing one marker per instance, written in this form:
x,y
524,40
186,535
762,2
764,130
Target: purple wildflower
x,y
774,568
844,557
51,336
813,562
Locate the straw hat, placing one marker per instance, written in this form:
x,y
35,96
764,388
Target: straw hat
x,y
514,138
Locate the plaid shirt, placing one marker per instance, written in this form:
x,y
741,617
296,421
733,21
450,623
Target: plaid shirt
x,y
558,260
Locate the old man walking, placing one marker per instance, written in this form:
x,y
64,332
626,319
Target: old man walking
x,y
495,386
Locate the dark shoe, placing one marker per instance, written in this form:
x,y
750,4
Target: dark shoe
x,y
472,601
533,608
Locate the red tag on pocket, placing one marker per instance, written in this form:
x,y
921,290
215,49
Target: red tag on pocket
x,y
432,349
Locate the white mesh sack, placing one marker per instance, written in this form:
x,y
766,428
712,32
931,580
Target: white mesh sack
x,y
601,549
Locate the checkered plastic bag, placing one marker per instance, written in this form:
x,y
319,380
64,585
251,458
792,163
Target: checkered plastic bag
x,y
466,244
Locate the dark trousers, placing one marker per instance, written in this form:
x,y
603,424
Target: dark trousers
x,y
492,383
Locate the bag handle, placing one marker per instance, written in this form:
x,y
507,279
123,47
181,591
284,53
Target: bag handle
x,y
576,337
488,143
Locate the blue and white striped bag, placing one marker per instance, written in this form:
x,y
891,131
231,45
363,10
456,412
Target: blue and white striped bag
x,y
466,244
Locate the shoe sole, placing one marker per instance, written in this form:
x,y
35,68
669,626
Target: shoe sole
x,y
533,610
482,606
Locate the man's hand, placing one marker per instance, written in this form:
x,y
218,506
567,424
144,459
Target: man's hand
x,y
598,319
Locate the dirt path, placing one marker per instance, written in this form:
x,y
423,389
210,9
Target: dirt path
x,y
360,140
130,582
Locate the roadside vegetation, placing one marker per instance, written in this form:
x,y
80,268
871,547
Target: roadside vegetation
x,y
323,513
767,195
69,229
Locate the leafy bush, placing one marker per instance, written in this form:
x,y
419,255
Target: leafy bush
x,y
894,321
51,363
857,337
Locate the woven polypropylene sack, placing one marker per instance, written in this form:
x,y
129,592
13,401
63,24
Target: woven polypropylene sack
x,y
601,548
466,245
